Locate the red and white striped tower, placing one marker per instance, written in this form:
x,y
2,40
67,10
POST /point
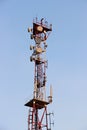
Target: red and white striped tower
x,y
38,116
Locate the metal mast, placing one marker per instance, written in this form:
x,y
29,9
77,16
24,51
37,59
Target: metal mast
x,y
38,116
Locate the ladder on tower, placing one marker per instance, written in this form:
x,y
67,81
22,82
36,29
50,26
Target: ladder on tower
x,y
31,124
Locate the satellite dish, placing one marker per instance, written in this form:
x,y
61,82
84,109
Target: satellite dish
x,y
29,29
40,28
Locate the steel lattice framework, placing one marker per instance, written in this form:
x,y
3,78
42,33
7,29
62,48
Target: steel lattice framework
x,y
38,117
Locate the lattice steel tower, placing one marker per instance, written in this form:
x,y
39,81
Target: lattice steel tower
x,y
39,118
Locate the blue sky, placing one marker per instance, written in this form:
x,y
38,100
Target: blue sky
x,y
67,61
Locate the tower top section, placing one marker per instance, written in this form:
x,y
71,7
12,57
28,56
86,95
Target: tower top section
x,y
39,33
41,30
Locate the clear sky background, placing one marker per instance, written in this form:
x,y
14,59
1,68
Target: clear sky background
x,y
67,61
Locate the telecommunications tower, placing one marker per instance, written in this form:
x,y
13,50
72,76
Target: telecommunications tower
x,y
39,118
